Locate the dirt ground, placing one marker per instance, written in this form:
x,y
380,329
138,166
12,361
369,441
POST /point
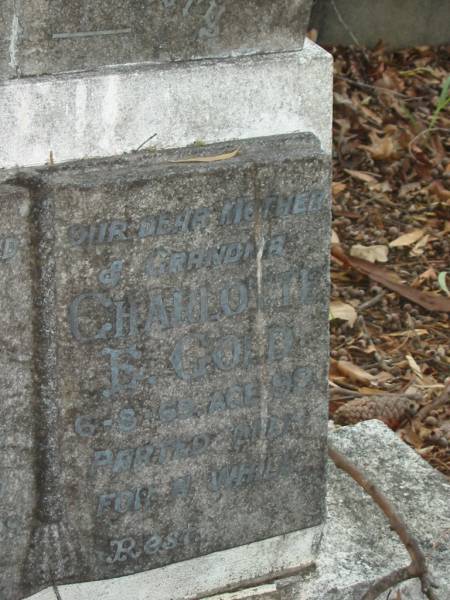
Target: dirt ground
x,y
390,299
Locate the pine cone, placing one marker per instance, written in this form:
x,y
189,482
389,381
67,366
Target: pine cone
x,y
392,410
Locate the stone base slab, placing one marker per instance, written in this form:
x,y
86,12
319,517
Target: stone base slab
x,y
357,548
114,110
200,577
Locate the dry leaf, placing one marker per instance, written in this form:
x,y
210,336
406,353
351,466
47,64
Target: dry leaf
x,y
430,273
438,190
381,148
407,189
354,372
376,253
361,175
312,34
368,391
408,332
208,159
442,278
383,186
334,237
407,239
337,187
389,279
343,311
370,114
419,247
414,366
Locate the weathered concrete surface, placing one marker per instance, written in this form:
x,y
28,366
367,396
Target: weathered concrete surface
x,y
54,36
199,577
17,487
358,546
399,23
104,115
181,352
263,592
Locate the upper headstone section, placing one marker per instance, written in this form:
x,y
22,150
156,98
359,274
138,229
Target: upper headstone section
x,y
52,36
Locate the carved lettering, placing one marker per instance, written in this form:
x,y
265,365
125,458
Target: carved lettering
x,y
163,261
238,475
8,248
129,548
134,459
138,499
244,211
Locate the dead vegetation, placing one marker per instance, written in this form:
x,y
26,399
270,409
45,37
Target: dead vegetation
x,y
391,244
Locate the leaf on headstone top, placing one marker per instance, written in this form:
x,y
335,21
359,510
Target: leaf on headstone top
x,y
361,175
354,372
208,159
408,239
343,311
375,253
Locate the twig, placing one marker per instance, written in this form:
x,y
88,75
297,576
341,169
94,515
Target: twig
x,y
379,89
344,24
389,581
421,134
146,141
57,594
342,391
373,301
418,567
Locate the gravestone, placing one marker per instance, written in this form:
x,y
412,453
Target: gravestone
x,y
179,347
53,36
17,487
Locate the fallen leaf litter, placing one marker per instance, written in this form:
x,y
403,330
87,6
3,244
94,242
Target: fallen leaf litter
x,y
390,326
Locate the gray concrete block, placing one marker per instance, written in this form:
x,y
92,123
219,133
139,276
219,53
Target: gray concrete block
x,y
54,36
83,116
398,23
358,546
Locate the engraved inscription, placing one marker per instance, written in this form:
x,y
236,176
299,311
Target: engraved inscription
x,y
130,548
233,212
196,388
8,247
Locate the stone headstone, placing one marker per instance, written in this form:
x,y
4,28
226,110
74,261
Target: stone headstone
x,y
53,36
178,336
17,488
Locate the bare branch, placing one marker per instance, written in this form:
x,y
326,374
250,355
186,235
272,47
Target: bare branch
x,y
418,567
